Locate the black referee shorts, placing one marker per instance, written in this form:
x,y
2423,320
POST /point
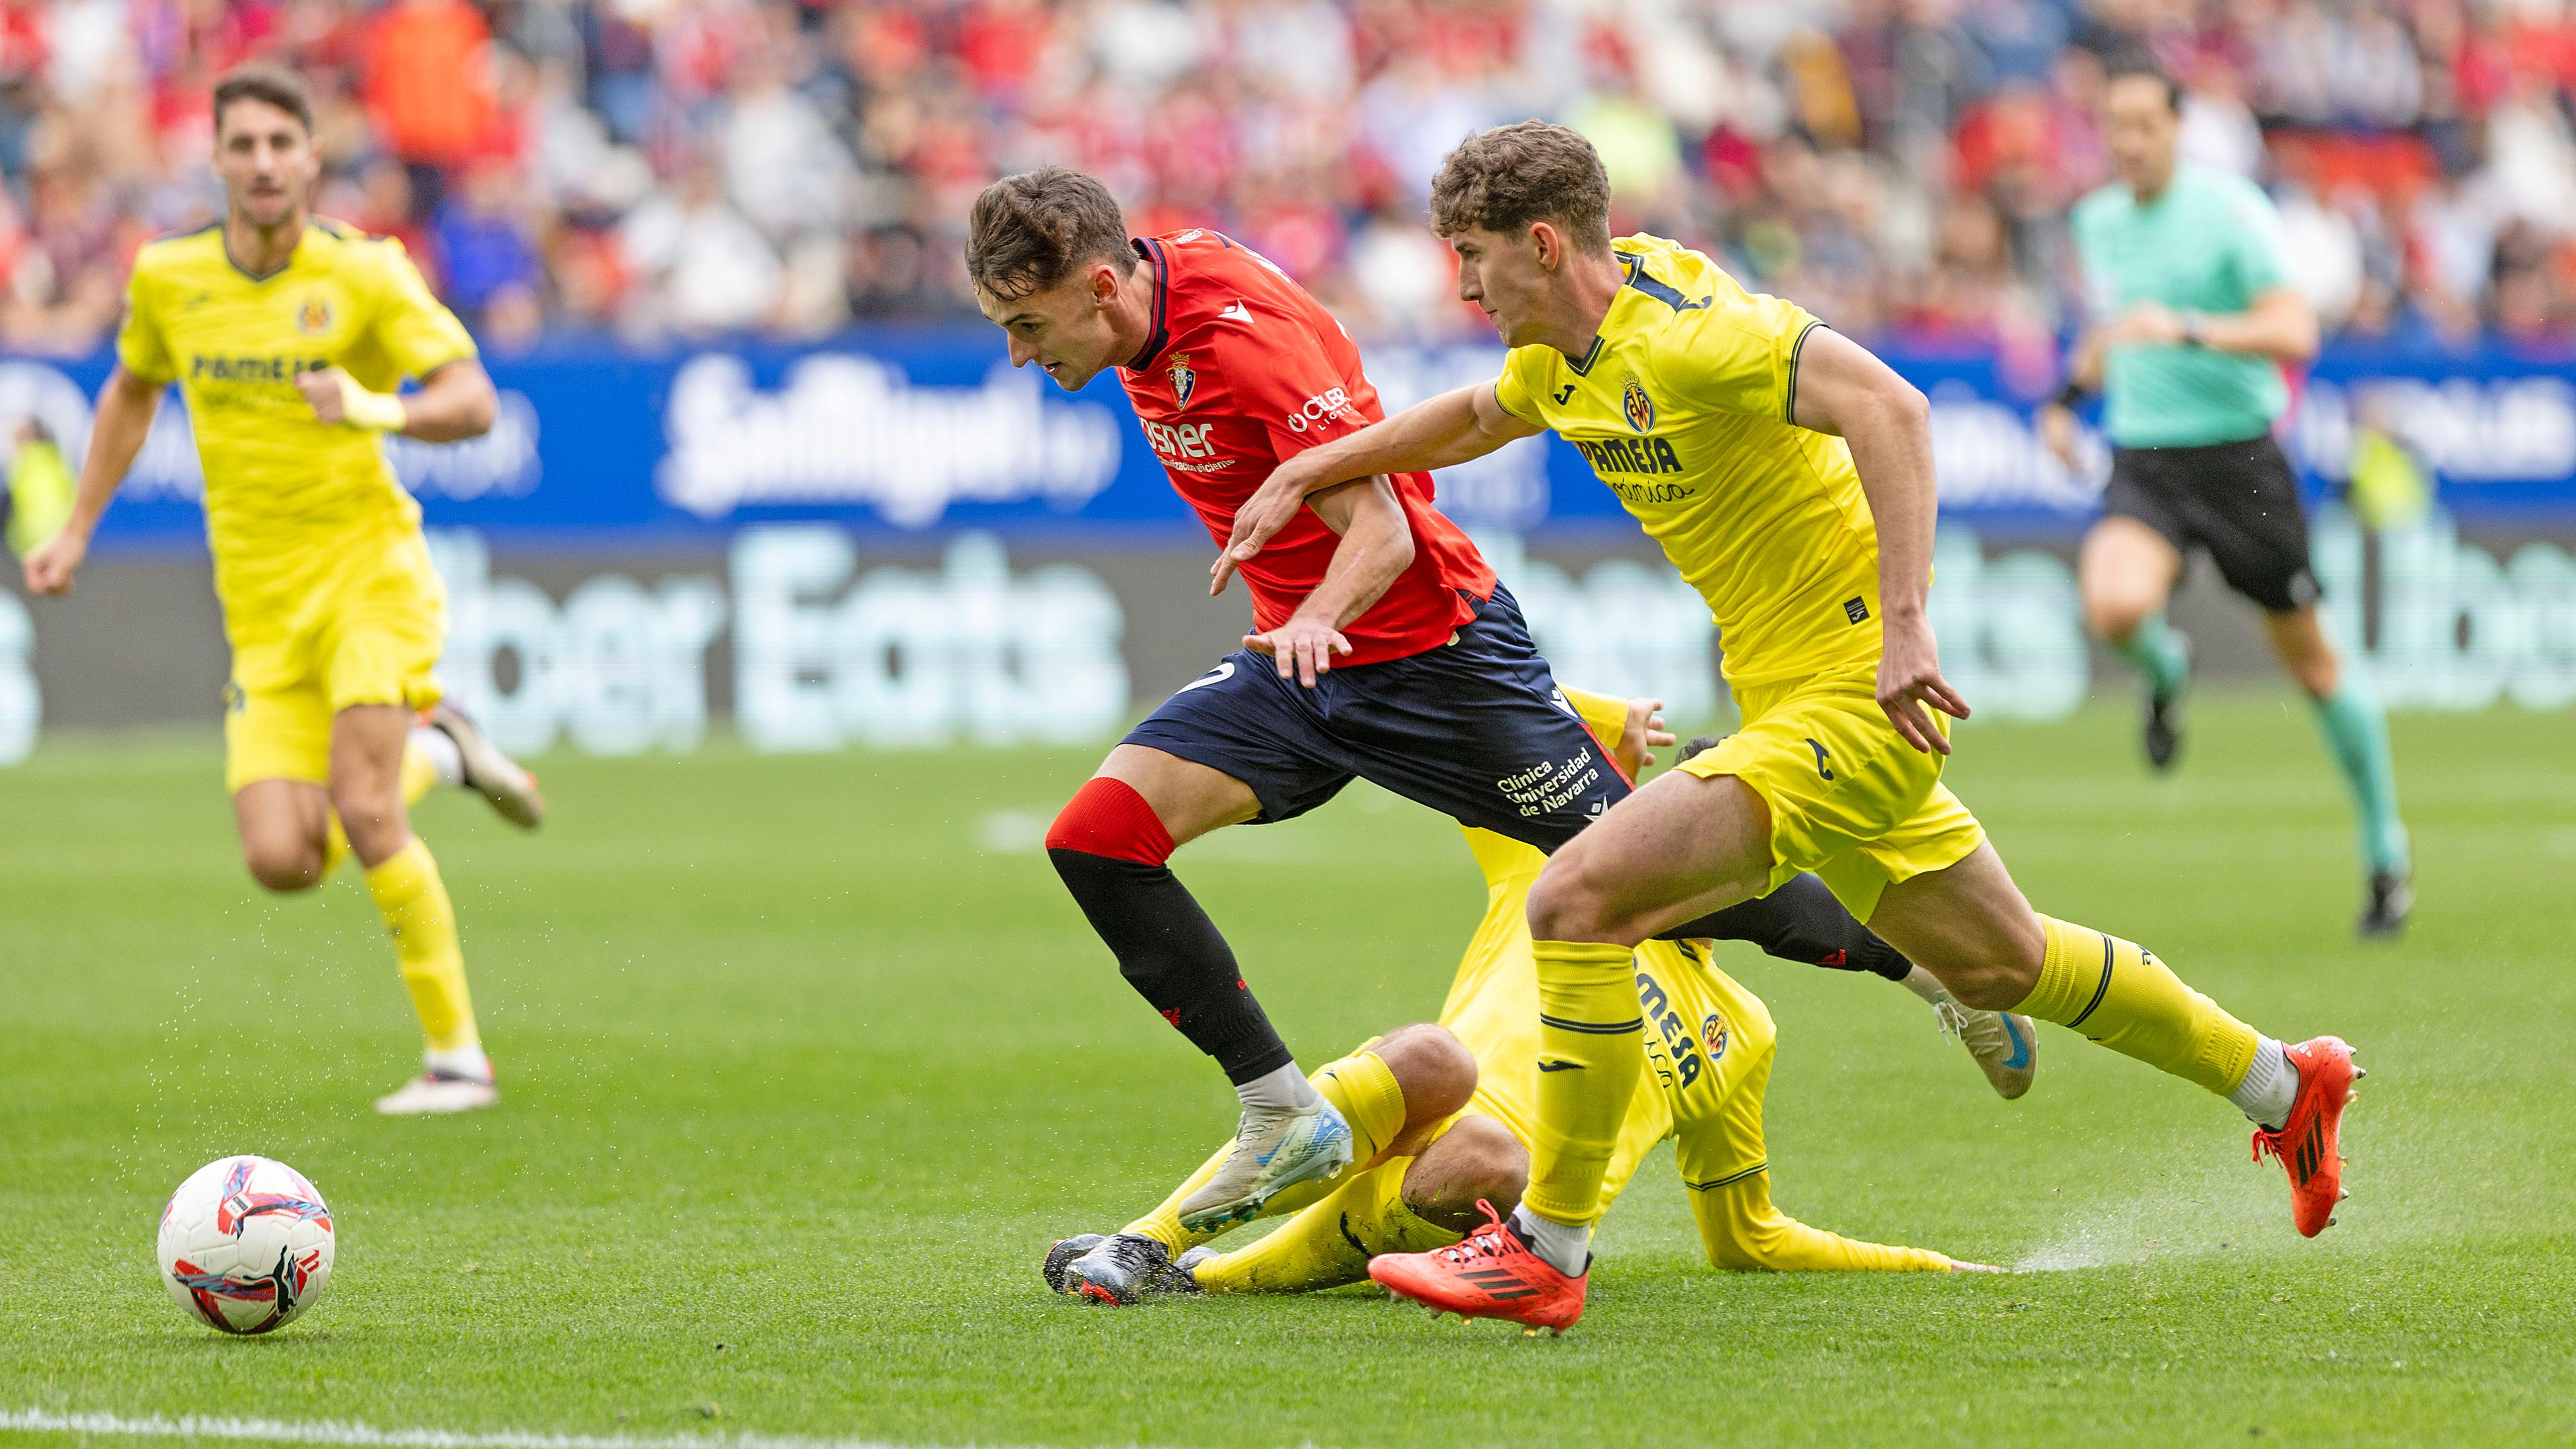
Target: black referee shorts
x,y
2237,500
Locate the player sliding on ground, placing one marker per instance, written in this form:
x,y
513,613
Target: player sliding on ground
x,y
1787,472
289,336
2192,274
1383,648
1444,1116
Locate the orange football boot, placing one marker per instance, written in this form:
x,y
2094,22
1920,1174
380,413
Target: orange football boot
x,y
2309,1145
1493,1274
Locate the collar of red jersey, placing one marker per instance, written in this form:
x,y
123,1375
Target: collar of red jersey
x,y
1160,338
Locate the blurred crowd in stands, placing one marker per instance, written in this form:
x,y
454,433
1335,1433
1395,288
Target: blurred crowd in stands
x,y
655,168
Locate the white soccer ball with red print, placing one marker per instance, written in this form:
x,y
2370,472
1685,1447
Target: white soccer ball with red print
x,y
245,1244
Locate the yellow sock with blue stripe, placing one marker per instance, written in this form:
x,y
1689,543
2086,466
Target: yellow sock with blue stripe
x,y
1364,1090
2118,994
413,901
1591,1051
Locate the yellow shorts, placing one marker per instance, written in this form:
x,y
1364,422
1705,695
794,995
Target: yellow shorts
x,y
368,633
1849,798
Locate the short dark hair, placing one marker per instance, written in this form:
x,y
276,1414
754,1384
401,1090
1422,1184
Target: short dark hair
x,y
1504,179
1030,231
268,85
2136,64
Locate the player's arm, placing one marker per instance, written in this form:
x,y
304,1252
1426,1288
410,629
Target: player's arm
x,y
1439,432
1376,549
2280,326
455,401
126,406
1843,388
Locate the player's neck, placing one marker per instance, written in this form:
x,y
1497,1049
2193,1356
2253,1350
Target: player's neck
x,y
263,251
2157,187
1131,321
1582,303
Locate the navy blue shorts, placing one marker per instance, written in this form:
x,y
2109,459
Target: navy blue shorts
x,y
1474,729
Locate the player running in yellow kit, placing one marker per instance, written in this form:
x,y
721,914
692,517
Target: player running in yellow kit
x,y
290,336
1443,1116
1787,472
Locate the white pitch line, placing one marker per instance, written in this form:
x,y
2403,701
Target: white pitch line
x,y
367,1436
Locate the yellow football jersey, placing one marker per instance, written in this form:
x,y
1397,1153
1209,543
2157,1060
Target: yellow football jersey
x,y
287,495
1682,407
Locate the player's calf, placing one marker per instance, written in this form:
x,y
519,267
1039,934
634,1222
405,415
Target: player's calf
x,y
1477,1159
1435,1072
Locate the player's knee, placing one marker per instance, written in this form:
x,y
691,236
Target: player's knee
x,y
1107,817
1567,904
2115,614
283,864
1433,1068
1478,1160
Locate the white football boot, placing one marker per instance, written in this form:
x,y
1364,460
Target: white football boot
x,y
439,1090
488,772
2006,1047
1273,1151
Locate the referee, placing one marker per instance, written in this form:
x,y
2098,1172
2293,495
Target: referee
x,y
2186,270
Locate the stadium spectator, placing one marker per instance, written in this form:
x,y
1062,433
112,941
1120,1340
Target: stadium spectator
x,y
1899,164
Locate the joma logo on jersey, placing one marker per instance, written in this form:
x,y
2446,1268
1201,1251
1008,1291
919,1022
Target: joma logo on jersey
x,y
1676,1032
1181,440
1630,455
252,369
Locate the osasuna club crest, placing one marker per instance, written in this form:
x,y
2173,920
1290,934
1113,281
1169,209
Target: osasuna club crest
x,y
1184,380
1639,407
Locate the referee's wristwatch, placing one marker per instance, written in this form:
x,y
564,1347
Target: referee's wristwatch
x,y
2195,329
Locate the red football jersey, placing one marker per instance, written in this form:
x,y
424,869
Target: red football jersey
x,y
1244,369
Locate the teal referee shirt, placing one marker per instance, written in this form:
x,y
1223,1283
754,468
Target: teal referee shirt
x,y
2208,243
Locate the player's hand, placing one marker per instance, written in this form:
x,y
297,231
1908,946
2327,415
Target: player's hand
x,y
1272,507
1645,731
2152,322
2058,430
322,392
1909,678
1303,646
51,564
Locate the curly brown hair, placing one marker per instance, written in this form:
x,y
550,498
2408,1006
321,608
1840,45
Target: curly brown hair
x,y
1504,179
1028,232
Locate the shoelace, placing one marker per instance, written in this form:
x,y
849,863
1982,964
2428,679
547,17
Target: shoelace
x,y
1490,1239
1953,1018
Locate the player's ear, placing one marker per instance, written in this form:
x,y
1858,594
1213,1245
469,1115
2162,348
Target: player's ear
x,y
1550,246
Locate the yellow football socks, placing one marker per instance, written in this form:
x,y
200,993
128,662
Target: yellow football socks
x,y
418,777
2123,997
413,901
1331,1244
1369,1100
1591,1051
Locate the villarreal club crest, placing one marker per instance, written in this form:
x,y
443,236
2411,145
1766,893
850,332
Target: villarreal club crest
x,y
314,317
1639,407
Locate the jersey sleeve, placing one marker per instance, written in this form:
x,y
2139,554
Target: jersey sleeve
x,y
2258,251
1513,392
1606,714
140,348
1740,355
1293,388
414,331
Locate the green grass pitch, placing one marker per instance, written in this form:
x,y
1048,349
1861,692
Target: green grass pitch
x,y
808,1059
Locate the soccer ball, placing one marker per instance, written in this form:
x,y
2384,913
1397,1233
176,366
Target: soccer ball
x,y
245,1244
